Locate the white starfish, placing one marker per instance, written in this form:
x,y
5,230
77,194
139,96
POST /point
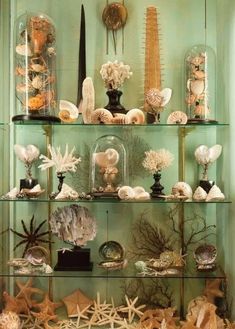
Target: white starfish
x,y
99,309
131,309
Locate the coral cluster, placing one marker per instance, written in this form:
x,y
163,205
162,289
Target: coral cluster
x,y
157,160
114,74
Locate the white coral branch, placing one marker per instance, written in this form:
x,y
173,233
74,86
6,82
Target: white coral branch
x,y
65,163
157,160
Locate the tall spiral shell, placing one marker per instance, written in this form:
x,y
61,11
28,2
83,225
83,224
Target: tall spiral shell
x,y
135,116
101,116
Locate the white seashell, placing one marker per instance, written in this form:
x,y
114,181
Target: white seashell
x,y
135,116
68,111
67,193
157,98
199,194
138,190
36,188
182,190
88,100
215,194
205,155
101,116
23,50
142,196
109,158
197,87
12,194
27,154
177,117
126,193
120,119
48,269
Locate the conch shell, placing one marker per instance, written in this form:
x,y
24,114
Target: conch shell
x,y
199,194
109,158
135,116
101,116
215,194
12,194
26,154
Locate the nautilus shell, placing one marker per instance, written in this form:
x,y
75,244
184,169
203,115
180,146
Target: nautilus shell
x,y
177,117
182,190
101,116
199,194
68,111
158,98
109,158
135,116
126,193
120,119
205,155
215,194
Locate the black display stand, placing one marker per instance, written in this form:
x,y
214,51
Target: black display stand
x,y
77,259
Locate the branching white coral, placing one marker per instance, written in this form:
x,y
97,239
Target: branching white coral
x,y
114,74
62,163
157,160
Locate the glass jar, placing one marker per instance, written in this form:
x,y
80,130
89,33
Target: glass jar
x,y
200,84
108,166
35,68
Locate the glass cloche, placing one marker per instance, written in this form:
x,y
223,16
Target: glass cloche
x,y
35,68
200,84
108,166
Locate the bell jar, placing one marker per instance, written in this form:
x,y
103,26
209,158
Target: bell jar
x,y
200,84
35,68
108,166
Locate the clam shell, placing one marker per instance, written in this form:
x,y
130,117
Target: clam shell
x,y
126,193
108,158
27,154
199,194
67,193
135,116
177,117
68,111
182,190
23,50
101,116
157,98
215,194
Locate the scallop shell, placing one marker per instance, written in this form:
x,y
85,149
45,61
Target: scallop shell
x,y
135,116
177,117
120,119
215,194
157,98
68,111
67,193
108,158
101,116
23,50
199,194
182,190
126,193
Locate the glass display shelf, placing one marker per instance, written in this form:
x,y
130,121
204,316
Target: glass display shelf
x,y
117,201
128,273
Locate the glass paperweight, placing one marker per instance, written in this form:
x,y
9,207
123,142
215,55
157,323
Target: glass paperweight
x,y
35,68
108,166
200,84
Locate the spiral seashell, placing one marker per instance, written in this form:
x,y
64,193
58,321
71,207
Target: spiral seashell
x,y
182,190
109,158
157,98
120,119
101,116
177,117
142,196
138,190
199,194
215,194
135,116
126,193
68,111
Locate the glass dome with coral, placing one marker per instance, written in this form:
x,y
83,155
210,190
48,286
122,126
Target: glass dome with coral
x,y
108,166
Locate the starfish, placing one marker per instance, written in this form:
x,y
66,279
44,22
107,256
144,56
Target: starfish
x,y
81,314
77,298
26,290
44,318
48,305
99,309
14,304
213,290
131,309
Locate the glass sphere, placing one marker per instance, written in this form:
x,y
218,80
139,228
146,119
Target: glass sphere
x,y
35,67
108,166
200,83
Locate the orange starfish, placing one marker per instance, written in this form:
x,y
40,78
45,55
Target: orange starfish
x,y
213,290
26,290
44,318
48,305
14,304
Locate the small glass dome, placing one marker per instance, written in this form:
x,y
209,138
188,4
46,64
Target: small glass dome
x,y
35,68
200,84
108,166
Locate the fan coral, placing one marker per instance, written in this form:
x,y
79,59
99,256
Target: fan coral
x,y
157,160
114,74
62,164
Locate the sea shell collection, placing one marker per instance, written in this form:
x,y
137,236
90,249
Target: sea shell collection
x,y
34,68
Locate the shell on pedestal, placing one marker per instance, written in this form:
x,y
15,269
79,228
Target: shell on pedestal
x,y
177,117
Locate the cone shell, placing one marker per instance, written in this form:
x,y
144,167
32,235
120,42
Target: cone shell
x,y
182,189
215,194
177,117
101,116
199,194
68,111
135,116
126,193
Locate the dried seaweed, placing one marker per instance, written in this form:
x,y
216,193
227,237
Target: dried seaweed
x,y
148,240
155,293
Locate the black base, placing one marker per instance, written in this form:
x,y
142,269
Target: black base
x,y
28,183
157,196
35,117
201,121
206,185
112,195
77,259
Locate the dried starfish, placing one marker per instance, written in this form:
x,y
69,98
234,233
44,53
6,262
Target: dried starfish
x,y
14,304
131,309
213,290
26,290
48,305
